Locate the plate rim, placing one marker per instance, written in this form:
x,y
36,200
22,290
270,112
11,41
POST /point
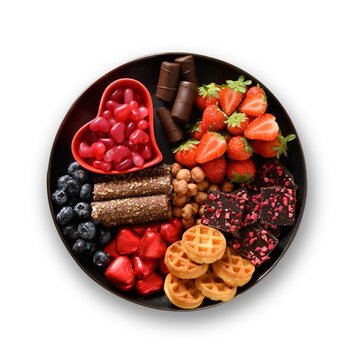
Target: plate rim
x,y
177,54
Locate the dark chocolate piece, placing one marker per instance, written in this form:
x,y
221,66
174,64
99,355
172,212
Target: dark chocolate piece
x,y
224,211
168,80
172,129
278,206
252,209
274,173
188,70
134,210
254,243
272,229
184,101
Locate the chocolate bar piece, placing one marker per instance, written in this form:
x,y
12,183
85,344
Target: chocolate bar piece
x,y
224,211
278,206
274,173
145,182
135,210
168,80
184,101
188,70
272,229
252,209
172,129
254,243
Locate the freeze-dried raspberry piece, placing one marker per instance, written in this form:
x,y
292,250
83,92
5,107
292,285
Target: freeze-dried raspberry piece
x,y
224,211
252,209
254,243
278,206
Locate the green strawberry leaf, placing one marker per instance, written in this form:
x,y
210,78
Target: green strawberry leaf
x,y
235,119
282,148
240,179
186,145
209,90
238,85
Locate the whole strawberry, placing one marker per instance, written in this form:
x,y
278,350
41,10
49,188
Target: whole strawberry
x,y
213,119
207,95
215,170
273,148
185,154
239,148
194,130
237,123
240,171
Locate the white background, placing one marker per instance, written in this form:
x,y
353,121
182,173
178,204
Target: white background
x,y
306,53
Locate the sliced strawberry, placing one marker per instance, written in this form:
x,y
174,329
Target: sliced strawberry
x,y
262,128
212,146
229,100
254,105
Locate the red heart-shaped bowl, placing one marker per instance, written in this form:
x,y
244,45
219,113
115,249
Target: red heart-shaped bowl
x,y
143,91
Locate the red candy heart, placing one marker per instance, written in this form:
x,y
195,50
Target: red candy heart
x,y
150,285
98,149
110,248
154,226
85,150
139,229
120,271
122,112
127,241
118,132
139,137
162,267
171,230
100,124
142,267
151,246
125,287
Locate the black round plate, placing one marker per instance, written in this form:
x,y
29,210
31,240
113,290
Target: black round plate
x,y
146,70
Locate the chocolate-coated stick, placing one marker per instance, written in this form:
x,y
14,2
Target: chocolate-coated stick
x,y
168,80
172,129
184,101
188,69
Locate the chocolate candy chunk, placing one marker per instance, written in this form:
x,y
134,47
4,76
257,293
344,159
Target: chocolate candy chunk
x,y
252,209
188,68
224,211
272,229
184,101
254,243
278,206
172,129
168,80
274,173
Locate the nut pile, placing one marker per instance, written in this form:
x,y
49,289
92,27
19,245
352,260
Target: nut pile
x,y
190,193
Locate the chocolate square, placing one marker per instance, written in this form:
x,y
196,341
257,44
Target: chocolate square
x,y
274,173
252,209
224,211
278,206
254,243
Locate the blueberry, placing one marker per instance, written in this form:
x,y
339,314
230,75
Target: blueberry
x,y
59,197
71,232
86,192
72,187
104,237
73,167
62,181
101,259
79,247
87,230
81,175
65,215
90,247
82,210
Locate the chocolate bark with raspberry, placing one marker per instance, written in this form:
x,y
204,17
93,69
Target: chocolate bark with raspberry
x,y
254,243
224,211
278,206
252,209
274,173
